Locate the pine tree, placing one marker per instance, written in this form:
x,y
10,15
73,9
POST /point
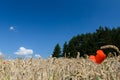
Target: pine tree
x,y
65,50
73,47
57,51
90,42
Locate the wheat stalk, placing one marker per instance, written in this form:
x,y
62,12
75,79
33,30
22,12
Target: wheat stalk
x,y
60,69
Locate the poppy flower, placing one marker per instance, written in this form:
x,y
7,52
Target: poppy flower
x,y
92,57
4,62
99,58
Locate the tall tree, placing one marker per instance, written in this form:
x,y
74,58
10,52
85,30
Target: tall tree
x,y
65,50
90,42
57,51
74,46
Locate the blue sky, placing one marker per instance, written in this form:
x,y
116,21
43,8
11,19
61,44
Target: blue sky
x,y
36,26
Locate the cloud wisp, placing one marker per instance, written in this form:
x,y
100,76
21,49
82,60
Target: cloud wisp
x,y
11,28
1,53
37,56
24,51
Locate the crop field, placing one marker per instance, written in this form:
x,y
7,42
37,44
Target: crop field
x,y
59,69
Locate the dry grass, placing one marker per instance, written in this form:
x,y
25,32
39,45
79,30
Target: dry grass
x,y
60,69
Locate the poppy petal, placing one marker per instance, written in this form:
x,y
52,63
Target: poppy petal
x,y
92,57
100,56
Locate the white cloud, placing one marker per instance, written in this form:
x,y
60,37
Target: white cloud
x,y
12,28
1,53
37,56
24,51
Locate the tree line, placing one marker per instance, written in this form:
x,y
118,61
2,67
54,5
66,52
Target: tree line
x,y
87,44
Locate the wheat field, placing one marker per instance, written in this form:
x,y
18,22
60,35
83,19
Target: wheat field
x,y
59,69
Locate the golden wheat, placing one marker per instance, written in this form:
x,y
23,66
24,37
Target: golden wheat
x,y
60,69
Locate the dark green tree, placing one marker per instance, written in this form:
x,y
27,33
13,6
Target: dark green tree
x,y
90,42
74,46
57,51
65,50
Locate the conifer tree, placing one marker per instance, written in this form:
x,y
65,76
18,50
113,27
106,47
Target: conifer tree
x,y
65,50
90,42
57,51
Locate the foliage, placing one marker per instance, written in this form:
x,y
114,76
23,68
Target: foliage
x,y
57,51
88,43
65,50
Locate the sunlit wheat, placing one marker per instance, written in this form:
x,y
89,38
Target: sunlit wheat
x,y
60,69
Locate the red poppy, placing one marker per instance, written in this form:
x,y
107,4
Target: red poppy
x,y
99,58
92,57
4,62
